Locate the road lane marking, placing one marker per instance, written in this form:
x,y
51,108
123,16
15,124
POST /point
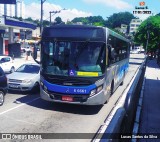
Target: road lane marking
x,y
19,106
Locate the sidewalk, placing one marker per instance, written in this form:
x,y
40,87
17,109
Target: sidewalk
x,y
150,114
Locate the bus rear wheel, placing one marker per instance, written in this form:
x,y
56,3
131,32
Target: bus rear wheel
x,y
123,79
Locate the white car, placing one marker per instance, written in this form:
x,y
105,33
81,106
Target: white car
x,y
6,63
25,78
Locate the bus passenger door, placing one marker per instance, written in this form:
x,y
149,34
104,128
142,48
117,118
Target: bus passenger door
x,y
109,69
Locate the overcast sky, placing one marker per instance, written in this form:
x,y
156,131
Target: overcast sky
x,y
84,8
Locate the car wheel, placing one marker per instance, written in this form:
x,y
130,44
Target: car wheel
x,y
35,87
1,98
12,70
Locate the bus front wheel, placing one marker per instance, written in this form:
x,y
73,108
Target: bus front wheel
x,y
112,88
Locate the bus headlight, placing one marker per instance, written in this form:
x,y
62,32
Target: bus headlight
x,y
41,83
95,91
45,88
99,89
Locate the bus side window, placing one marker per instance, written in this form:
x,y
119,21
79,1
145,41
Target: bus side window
x,y
111,54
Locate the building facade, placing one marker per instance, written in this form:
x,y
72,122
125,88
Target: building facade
x,y
134,24
13,10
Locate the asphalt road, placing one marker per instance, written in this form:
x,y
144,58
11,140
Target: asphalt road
x,y
27,113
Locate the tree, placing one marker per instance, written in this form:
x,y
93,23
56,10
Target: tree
x,y
58,20
91,20
46,23
117,19
149,30
82,20
29,19
158,14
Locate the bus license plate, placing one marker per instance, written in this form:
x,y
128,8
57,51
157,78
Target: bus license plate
x,y
67,98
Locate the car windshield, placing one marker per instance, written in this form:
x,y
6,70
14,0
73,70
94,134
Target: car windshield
x,y
73,58
28,69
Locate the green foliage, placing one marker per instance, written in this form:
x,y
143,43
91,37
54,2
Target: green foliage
x,y
29,19
19,18
98,24
46,23
117,19
58,20
158,14
152,26
92,20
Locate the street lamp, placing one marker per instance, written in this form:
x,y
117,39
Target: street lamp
x,y
55,12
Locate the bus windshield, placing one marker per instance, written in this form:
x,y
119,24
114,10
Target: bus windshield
x,y
74,58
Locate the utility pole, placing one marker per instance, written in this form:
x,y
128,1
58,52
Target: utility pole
x,y
147,36
51,15
54,14
41,22
147,40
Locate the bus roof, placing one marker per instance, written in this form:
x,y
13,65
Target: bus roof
x,y
73,31
77,32
109,31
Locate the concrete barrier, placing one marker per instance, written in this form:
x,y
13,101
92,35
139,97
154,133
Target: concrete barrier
x,y
121,119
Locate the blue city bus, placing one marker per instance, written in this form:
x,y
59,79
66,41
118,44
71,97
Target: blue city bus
x,y
81,64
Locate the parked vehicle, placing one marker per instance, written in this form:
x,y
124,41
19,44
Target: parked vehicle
x,y
25,49
3,86
136,50
6,63
25,78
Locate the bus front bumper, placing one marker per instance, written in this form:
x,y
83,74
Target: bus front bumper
x,y
97,99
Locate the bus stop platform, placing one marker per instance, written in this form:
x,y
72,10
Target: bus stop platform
x,y
150,111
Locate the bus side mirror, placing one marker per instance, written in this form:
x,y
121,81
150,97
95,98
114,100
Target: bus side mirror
x,y
34,53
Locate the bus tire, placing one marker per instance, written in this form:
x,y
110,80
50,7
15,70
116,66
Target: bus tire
x,y
123,79
110,93
112,88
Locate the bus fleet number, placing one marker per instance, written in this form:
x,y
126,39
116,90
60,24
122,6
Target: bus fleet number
x,y
80,90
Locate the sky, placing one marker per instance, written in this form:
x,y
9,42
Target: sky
x,y
84,8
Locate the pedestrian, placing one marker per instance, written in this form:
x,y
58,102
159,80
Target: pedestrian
x,y
27,53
